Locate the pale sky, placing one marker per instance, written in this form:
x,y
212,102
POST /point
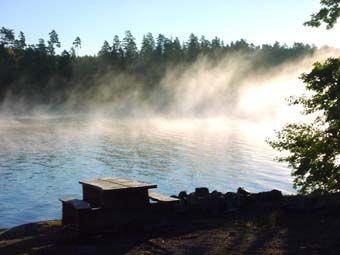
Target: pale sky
x,y
257,21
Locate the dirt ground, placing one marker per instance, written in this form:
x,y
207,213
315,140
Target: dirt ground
x,y
251,232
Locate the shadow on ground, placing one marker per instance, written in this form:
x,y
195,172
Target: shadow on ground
x,y
251,232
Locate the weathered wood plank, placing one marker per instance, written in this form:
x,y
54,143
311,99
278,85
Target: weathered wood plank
x,y
130,183
161,198
103,184
118,180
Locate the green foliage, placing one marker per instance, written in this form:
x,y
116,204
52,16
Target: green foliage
x,y
76,45
328,14
193,47
41,46
21,42
36,73
105,51
77,42
148,47
7,36
53,42
130,47
314,149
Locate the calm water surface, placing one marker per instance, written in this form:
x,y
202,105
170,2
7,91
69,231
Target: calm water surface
x,y
43,158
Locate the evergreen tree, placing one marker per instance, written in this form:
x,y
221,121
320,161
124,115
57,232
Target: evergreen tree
x,y
7,37
116,45
117,49
204,44
26,71
216,43
53,42
105,51
41,46
77,44
177,51
130,47
168,49
148,47
160,46
193,47
73,53
21,42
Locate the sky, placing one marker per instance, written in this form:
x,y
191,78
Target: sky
x,y
257,21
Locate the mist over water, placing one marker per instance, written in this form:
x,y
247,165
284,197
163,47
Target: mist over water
x,y
212,133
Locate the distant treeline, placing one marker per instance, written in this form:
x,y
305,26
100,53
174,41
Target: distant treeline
x,y
35,73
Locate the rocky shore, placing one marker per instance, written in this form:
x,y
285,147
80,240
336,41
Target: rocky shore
x,y
204,223
216,202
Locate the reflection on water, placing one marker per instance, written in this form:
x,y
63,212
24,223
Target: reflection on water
x,y
42,159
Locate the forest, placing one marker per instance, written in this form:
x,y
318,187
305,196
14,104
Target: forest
x,y
35,74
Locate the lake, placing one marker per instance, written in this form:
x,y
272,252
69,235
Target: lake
x,y
42,158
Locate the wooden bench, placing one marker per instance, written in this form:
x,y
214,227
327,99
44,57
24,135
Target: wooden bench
x,y
72,208
163,205
116,202
75,203
160,198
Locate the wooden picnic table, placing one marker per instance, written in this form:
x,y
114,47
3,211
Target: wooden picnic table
x,y
113,202
116,193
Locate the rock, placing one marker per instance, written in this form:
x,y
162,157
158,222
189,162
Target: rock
x,y
201,201
242,191
182,195
216,194
202,192
296,203
192,202
216,201
268,196
32,229
275,194
233,200
327,202
191,198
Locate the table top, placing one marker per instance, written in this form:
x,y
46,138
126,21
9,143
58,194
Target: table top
x,y
117,184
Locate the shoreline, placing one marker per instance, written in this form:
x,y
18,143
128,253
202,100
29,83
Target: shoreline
x,y
256,223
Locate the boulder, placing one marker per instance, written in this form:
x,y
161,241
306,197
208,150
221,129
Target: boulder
x,y
233,201
202,192
216,194
182,195
296,203
192,198
268,196
329,202
242,191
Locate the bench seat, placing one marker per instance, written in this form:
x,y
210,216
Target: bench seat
x,y
160,198
75,203
73,209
